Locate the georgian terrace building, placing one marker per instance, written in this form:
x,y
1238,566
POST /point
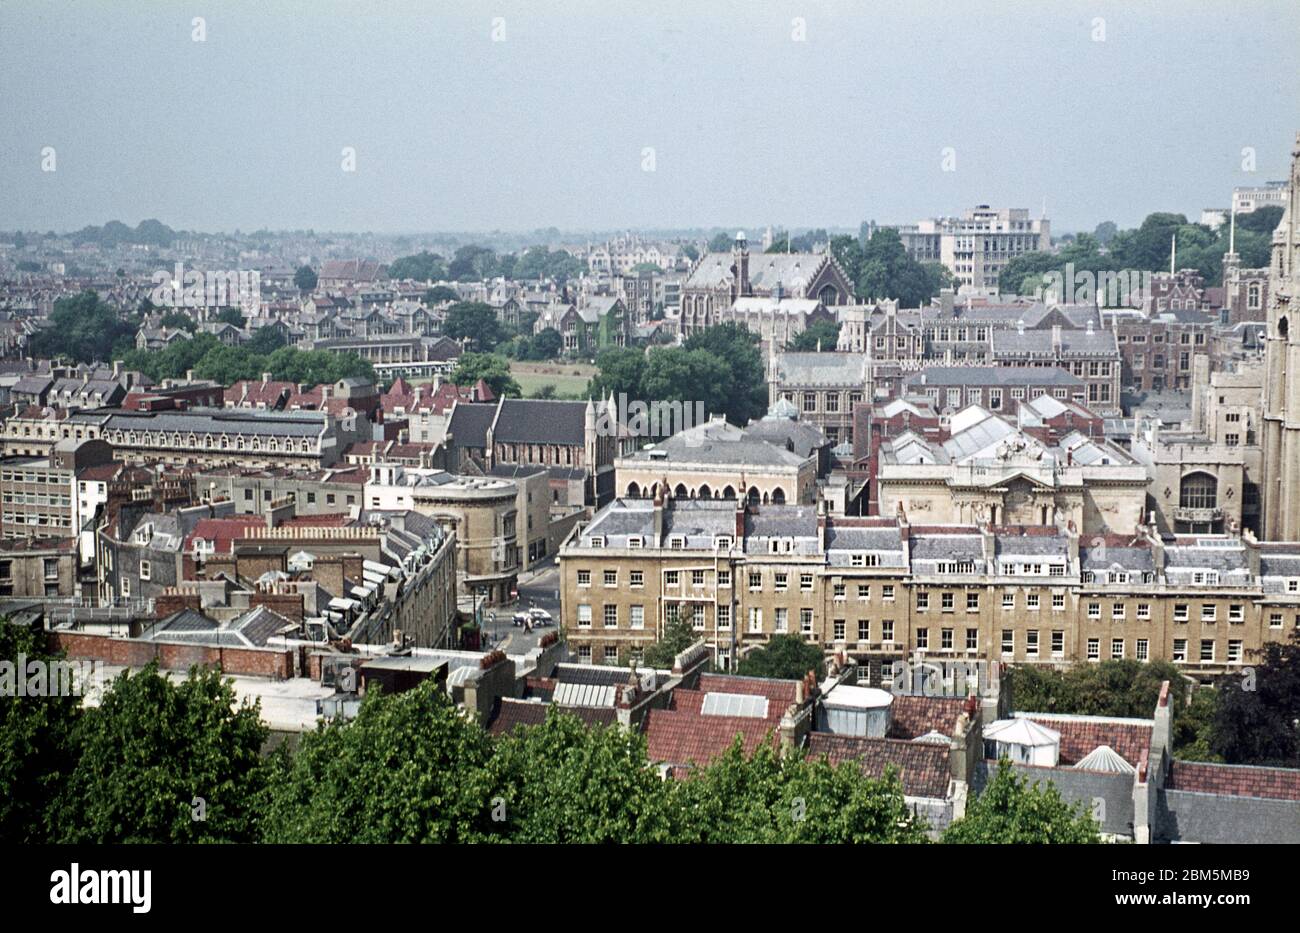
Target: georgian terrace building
x,y
881,590
253,439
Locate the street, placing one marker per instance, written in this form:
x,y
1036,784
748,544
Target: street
x,y
538,588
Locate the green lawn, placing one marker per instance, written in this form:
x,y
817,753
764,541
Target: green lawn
x,y
532,376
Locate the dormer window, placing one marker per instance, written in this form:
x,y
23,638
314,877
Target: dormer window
x,y
677,542
597,541
722,541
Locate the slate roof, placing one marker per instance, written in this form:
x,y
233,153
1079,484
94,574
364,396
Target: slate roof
x,y
821,369
922,767
541,421
719,442
1039,343
469,424
792,270
990,375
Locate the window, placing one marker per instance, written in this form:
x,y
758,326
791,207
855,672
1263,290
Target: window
x,y
1207,649
1009,600
1094,610
1198,491
1237,613
1141,650
839,626
724,616
1094,649
923,638
636,577
145,570
946,602
972,639
1180,612
1117,612
805,581
637,616
584,654
756,620
1058,643
584,616
922,601
1031,601
887,592
887,631
1144,611
697,578
1180,649
972,602
1234,651
584,578
1117,648
839,590
1008,642
779,582
1209,612
1275,620
805,620
611,615
864,592
676,543
782,620
1058,602
755,582
672,578
611,578
1031,643
724,579
864,630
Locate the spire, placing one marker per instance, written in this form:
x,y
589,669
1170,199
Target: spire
x,y
1173,251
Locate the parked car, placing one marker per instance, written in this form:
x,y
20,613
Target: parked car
x,y
540,616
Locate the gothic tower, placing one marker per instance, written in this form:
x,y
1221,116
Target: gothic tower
x,y
1281,488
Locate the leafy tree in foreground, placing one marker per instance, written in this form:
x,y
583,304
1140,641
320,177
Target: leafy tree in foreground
x,y
785,657
37,747
149,749
562,782
1011,811
409,768
774,798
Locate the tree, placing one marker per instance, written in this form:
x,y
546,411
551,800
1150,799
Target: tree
x,y
492,369
785,657
1105,232
677,637
621,372
265,340
771,797
156,753
83,328
721,242
737,345
440,293
472,263
409,768
547,344
1124,688
37,741
305,278
675,374
887,271
422,267
562,782
1010,812
1258,710
820,337
475,321
231,316
179,320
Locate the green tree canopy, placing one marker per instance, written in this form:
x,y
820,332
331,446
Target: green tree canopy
x,y
409,768
1012,812
85,329
821,336
677,637
784,657
305,278
422,267
887,271
492,369
475,321
150,749
1258,710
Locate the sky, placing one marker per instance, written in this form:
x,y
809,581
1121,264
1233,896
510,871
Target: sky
x,y
618,114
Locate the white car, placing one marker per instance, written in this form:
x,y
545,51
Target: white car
x,y
540,616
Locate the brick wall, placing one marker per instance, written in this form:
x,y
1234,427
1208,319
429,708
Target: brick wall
x,y
263,662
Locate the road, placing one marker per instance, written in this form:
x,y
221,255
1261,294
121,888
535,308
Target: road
x,y
538,588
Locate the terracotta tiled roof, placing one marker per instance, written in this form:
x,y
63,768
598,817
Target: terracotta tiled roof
x,y
222,531
1235,780
780,692
510,714
684,738
916,715
922,767
1080,736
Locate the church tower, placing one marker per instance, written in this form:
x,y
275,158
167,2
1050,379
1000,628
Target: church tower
x,y
1281,488
740,267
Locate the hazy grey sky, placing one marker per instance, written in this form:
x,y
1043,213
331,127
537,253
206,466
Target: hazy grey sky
x,y
455,131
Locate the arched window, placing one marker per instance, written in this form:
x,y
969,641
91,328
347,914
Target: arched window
x,y
754,496
1198,491
729,493
778,496
680,491
829,295
704,492
633,491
